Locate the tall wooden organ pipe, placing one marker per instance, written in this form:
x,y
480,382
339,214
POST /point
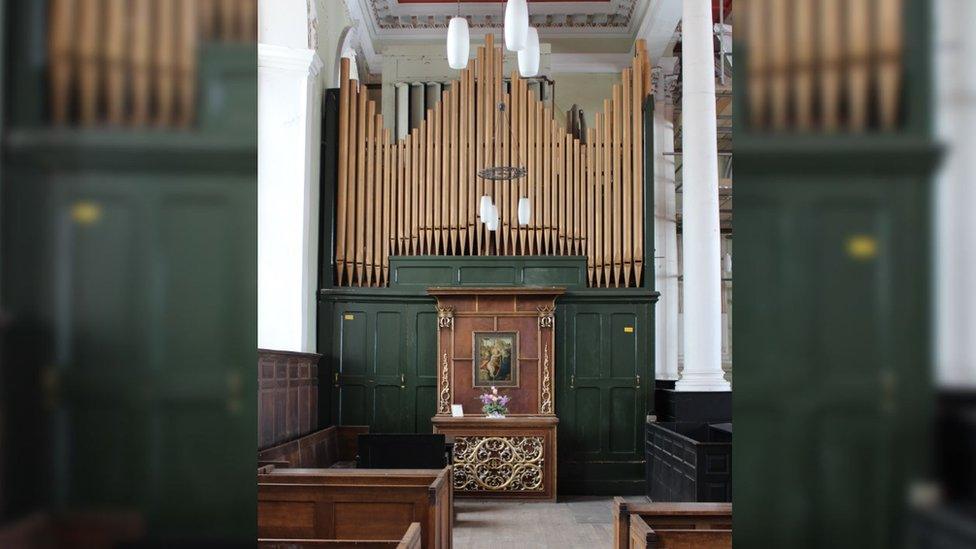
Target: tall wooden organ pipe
x,y
420,195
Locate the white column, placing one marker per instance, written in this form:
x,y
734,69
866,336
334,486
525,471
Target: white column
x,y
665,235
700,222
289,126
955,263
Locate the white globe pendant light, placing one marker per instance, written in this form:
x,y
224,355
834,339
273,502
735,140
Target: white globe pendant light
x,y
528,59
516,25
458,43
524,211
484,209
492,223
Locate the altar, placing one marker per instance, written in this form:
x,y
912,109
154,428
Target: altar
x,y
502,338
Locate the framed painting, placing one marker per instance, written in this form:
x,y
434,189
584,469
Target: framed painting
x,y
495,359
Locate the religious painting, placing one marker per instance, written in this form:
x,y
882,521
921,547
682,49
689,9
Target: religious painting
x,y
495,359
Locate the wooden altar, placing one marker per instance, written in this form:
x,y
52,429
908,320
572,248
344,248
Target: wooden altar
x,y
512,457
503,337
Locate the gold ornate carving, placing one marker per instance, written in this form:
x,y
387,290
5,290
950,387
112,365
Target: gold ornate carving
x,y
547,316
546,406
445,317
499,463
444,405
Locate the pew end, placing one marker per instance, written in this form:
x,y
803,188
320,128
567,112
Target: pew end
x,y
714,518
411,540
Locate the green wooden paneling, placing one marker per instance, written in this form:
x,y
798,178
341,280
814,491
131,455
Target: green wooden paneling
x,y
422,272
605,342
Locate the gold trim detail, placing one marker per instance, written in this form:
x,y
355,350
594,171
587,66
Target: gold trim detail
x,y
445,317
547,316
546,406
444,405
496,464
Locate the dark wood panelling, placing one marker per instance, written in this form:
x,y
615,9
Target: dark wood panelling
x,y
287,395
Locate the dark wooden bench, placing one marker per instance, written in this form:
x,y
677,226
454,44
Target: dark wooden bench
x,y
356,504
334,446
643,536
411,540
671,516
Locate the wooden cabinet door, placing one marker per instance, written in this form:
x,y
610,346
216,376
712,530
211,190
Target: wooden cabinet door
x,y
386,359
601,398
831,382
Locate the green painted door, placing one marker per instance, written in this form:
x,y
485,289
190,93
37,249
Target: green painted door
x,y
831,383
139,277
384,361
602,396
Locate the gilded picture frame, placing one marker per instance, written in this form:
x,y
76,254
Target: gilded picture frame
x,y
495,359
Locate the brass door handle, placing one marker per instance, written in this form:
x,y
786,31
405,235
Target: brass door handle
x,y
638,381
403,381
335,379
572,381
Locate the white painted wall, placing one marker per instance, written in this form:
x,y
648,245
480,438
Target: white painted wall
x,y
289,124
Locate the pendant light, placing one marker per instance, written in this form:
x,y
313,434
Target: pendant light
x,y
492,223
458,41
484,209
528,59
524,211
516,24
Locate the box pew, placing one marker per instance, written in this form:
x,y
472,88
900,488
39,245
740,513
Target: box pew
x,y
356,504
642,536
661,516
334,446
411,540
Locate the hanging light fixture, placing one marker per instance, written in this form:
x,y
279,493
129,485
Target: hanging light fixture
x,y
524,211
484,209
492,223
458,41
516,24
528,59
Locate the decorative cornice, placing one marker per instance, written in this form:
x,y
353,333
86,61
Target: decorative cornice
x,y
289,59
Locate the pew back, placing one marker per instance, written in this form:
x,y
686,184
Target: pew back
x,y
327,447
642,536
411,540
668,516
355,504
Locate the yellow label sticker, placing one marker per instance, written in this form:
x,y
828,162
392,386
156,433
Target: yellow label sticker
x,y
861,246
85,212
628,329
349,317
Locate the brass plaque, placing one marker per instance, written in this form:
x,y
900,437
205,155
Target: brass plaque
x,y
628,329
861,247
348,316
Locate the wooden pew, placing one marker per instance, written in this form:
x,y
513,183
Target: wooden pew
x,y
411,540
356,504
334,446
642,536
661,516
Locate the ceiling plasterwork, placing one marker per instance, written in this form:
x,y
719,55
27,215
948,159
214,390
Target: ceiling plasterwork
x,y
613,16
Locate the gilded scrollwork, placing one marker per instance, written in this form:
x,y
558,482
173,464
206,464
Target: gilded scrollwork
x,y
499,463
546,402
547,316
444,402
445,317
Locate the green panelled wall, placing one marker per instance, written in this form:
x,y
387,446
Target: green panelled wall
x,y
833,376
130,256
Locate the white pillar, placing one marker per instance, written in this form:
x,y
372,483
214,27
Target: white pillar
x,y
665,234
289,126
955,264
700,221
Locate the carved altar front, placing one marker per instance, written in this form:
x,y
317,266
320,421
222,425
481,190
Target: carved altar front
x,y
513,457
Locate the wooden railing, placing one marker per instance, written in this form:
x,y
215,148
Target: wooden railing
x,y
134,62
420,195
824,65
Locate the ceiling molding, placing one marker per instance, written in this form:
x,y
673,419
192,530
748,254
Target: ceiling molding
x,y
364,39
658,25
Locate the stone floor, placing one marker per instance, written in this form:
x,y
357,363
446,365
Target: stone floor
x,y
571,522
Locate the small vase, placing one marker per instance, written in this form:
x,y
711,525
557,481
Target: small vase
x,y
495,415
